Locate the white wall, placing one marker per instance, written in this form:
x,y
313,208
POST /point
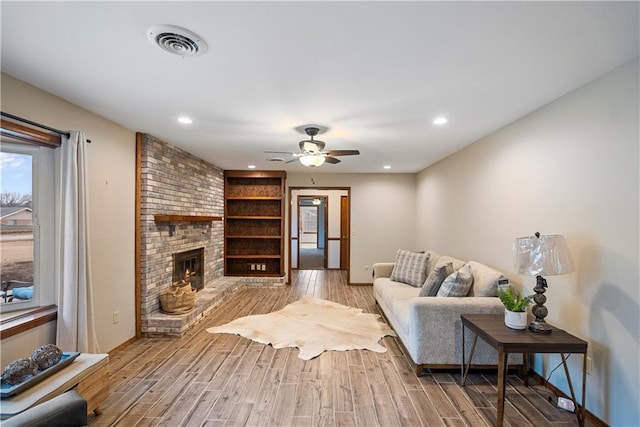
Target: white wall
x,y
572,167
111,204
22,345
382,214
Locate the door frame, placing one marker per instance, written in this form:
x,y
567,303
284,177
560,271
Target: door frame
x,y
290,239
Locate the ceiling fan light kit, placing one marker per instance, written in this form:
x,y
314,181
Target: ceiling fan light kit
x,y
312,152
311,160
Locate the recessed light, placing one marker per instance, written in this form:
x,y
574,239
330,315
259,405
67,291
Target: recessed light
x,y
387,167
185,120
440,120
251,166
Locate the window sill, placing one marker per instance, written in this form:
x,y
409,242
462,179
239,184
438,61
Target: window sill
x,y
28,319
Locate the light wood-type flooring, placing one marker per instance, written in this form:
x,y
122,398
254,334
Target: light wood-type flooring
x,y
204,379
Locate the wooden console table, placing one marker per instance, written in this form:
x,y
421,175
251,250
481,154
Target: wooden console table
x,y
491,328
88,374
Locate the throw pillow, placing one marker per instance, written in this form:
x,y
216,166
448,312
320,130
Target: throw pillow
x,y
410,267
444,259
433,259
457,284
435,279
23,293
485,280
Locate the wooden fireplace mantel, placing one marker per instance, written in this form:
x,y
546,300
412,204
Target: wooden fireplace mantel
x,y
186,218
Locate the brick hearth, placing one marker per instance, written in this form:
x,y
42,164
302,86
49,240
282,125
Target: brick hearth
x,y
214,293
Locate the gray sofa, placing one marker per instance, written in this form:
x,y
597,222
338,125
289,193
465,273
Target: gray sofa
x,y
429,326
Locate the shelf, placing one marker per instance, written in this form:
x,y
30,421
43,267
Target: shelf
x,y
186,218
254,223
254,256
253,237
254,217
254,174
253,198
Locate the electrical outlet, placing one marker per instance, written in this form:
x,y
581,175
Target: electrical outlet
x,y
253,267
566,404
264,267
366,268
116,317
589,365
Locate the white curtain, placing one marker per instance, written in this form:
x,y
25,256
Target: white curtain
x,y
76,331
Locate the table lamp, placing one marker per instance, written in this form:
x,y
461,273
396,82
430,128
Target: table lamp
x,y
537,256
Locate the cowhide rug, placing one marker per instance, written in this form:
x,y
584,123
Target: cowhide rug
x,y
313,325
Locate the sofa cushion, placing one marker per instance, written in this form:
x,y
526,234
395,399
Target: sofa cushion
x,y
435,279
410,267
485,280
389,291
457,284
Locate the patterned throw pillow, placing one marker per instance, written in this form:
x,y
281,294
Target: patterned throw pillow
x,y
457,284
435,279
410,267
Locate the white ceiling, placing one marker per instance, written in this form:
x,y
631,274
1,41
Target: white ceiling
x,y
374,73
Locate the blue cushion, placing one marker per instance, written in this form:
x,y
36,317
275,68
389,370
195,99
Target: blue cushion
x,y
23,293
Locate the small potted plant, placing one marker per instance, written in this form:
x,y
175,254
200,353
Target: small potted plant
x,y
515,307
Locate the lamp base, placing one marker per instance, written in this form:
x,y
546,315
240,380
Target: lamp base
x,y
539,327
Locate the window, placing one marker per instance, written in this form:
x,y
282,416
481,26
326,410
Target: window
x,y
26,226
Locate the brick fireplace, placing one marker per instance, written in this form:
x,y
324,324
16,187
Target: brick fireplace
x,y
175,182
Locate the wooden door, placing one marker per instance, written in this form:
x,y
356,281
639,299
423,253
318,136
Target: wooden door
x,y
344,232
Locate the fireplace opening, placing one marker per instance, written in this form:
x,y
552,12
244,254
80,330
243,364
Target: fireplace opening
x,y
193,261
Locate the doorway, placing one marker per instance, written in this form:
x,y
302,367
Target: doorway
x,y
318,234
312,225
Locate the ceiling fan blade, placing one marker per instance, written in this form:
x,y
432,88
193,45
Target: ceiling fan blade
x,y
342,152
331,160
293,160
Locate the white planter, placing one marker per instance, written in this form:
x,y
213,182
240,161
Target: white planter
x,y
515,319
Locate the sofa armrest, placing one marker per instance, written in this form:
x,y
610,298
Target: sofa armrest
x,y
382,269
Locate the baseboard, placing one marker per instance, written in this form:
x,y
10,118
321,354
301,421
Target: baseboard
x,y
588,415
360,284
123,345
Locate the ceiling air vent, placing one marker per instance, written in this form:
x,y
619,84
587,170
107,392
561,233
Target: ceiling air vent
x,y
177,40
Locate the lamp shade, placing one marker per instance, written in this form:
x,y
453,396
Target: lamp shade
x,y
542,255
312,160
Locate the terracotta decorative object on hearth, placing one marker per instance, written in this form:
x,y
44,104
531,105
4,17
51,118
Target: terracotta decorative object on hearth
x,y
179,298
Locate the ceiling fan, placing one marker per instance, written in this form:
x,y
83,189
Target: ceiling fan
x,y
312,152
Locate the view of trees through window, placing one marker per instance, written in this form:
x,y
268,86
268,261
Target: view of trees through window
x,y
16,227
